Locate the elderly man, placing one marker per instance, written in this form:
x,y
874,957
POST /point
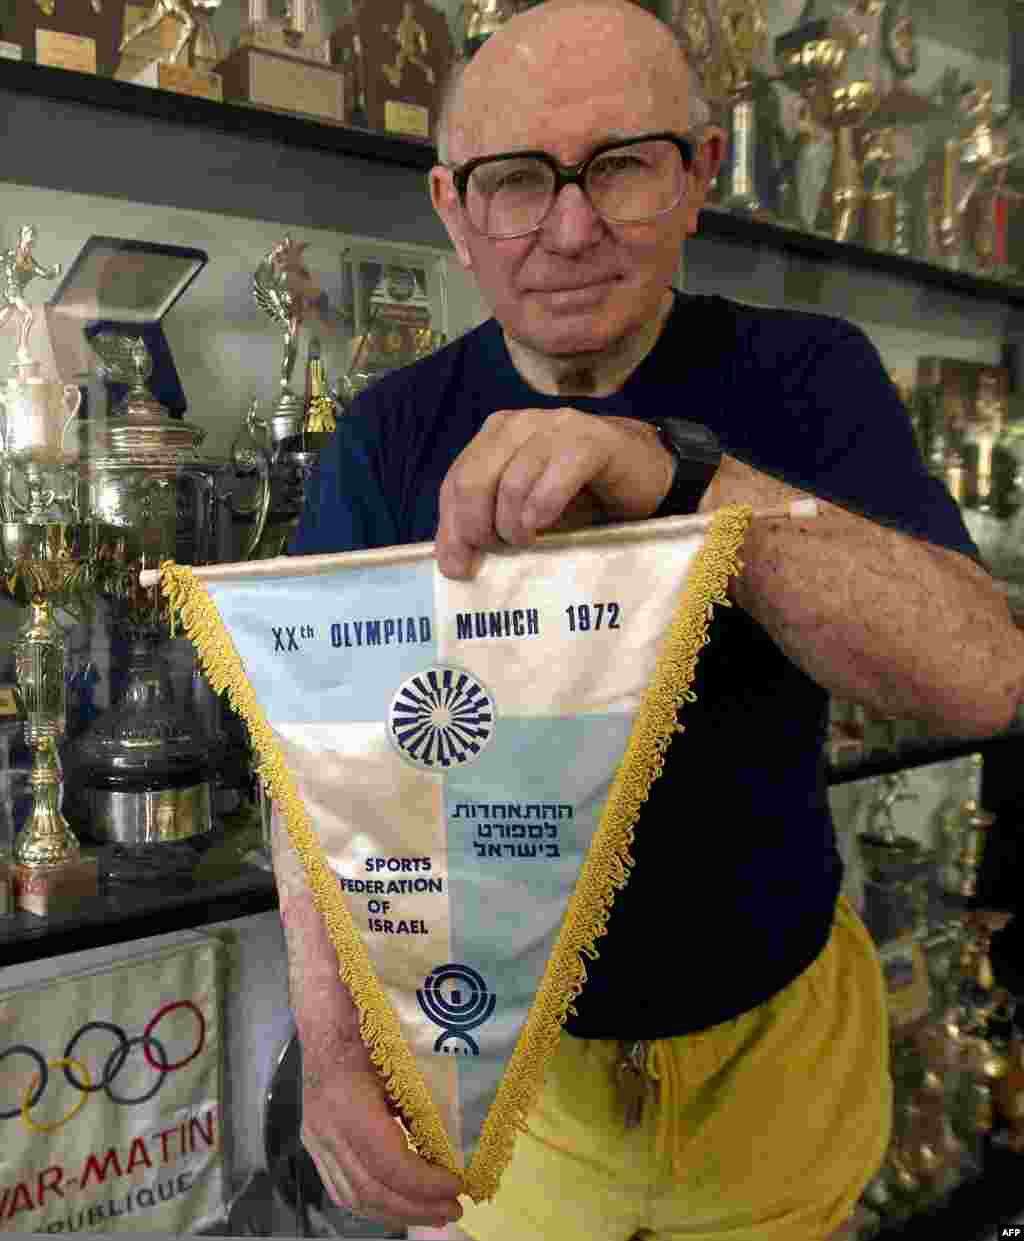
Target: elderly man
x,y
734,975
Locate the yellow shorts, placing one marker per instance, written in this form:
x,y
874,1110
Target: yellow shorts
x,y
777,1121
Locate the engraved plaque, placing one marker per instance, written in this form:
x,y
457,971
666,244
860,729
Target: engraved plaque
x,y
74,36
181,79
65,51
406,118
271,80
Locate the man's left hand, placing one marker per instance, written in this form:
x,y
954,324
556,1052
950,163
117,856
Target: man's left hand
x,y
530,471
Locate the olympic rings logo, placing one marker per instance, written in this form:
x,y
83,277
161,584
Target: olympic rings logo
x,y
77,1073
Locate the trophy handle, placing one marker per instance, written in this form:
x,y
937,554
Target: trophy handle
x,y
253,423
73,403
260,507
44,497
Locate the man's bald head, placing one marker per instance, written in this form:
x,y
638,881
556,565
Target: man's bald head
x,y
564,39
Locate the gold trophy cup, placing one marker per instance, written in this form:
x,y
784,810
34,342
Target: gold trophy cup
x,y
812,60
50,559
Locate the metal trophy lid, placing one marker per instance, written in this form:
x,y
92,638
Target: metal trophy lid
x,y
146,742
140,431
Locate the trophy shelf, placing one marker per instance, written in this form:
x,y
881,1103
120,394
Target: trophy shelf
x,y
135,914
225,887
256,126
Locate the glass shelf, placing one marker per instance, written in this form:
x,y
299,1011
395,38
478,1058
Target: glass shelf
x,y
222,886
917,753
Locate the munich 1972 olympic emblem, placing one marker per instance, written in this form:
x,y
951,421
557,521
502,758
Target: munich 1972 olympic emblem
x,y
455,998
441,718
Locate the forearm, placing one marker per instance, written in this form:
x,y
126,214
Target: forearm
x,y
325,1015
907,628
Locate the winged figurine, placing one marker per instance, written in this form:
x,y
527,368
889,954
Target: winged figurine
x,y
284,289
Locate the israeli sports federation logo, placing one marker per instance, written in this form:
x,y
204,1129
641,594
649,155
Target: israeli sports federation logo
x,y
441,718
455,997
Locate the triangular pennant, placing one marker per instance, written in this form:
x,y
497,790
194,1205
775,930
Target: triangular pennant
x,y
460,766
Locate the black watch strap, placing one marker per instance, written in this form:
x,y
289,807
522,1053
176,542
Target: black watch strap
x,y
697,453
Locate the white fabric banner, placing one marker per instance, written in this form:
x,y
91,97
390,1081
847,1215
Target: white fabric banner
x,y
460,766
110,1097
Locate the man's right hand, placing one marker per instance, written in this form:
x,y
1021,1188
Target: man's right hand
x,y
350,1131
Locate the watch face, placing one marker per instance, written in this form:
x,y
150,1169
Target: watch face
x,y
690,441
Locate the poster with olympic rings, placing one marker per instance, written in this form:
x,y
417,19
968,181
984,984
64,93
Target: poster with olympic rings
x,y
111,1096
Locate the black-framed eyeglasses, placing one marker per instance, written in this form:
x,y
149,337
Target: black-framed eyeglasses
x,y
631,181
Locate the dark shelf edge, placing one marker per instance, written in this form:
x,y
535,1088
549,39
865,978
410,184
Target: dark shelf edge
x,y
44,81
917,756
64,85
122,928
726,226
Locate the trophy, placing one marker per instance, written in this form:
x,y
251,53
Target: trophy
x,y
481,19
196,43
726,66
405,49
985,158
887,162
284,289
48,552
813,61
985,426
300,31
896,867
285,62
967,199
51,558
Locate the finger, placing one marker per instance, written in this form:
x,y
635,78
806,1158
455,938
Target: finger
x,y
563,478
469,491
515,488
456,556
365,1195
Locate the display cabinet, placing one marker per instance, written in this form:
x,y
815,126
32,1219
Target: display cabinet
x,y
877,180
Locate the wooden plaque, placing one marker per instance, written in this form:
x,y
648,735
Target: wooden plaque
x,y
407,51
45,890
74,37
271,80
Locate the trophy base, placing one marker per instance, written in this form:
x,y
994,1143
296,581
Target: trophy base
x,y
46,890
182,80
287,82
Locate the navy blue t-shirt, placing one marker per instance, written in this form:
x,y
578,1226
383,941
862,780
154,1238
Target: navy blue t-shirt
x,y
737,872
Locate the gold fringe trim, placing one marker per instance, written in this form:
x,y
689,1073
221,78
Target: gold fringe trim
x,y
608,862
605,869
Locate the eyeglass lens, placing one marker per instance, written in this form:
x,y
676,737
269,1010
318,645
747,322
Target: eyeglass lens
x,y
628,185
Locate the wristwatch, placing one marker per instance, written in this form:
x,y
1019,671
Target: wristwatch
x,y
697,453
